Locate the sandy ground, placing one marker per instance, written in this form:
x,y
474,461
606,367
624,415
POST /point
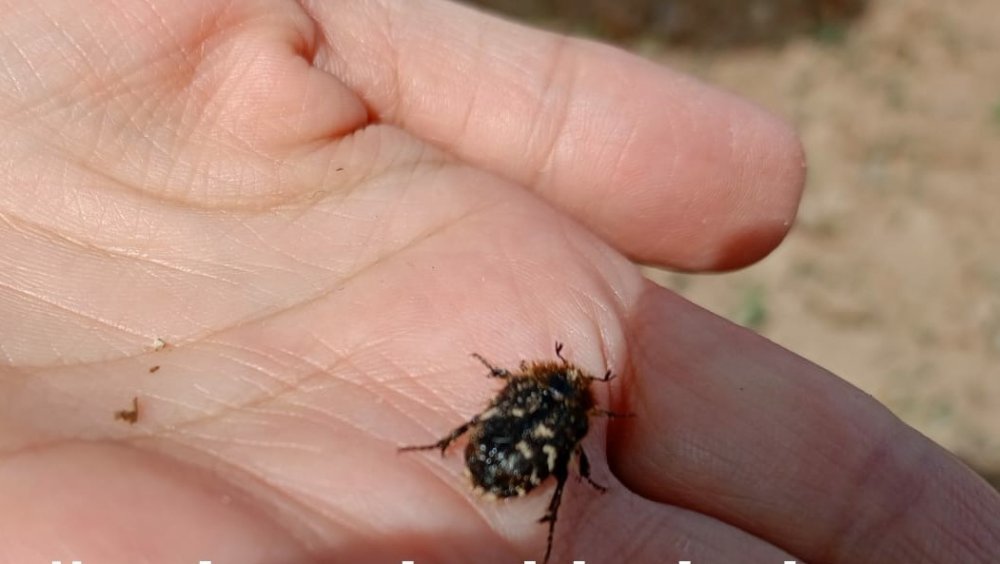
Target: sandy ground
x,y
891,278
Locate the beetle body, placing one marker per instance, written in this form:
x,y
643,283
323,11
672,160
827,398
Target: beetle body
x,y
530,431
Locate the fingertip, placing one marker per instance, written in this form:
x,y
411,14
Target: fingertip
x,y
772,176
709,182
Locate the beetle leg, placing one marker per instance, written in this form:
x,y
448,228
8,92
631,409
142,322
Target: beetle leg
x,y
559,348
494,371
443,443
608,376
553,512
585,469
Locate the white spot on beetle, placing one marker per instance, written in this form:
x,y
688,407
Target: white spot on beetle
x,y
552,452
542,432
524,449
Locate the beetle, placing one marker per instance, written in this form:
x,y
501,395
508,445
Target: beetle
x,y
529,431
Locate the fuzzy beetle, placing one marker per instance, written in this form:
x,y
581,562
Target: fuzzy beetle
x,y
530,431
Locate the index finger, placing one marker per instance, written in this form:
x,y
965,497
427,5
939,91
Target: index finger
x,y
667,169
738,428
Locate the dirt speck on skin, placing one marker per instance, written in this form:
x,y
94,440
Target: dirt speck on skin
x,y
130,416
891,277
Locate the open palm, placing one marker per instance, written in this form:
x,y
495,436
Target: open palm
x,y
322,208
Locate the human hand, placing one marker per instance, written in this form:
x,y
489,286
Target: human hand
x,y
324,208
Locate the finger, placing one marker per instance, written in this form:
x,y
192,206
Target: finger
x,y
667,169
732,425
622,527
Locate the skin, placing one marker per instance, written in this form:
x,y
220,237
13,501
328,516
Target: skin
x,y
322,208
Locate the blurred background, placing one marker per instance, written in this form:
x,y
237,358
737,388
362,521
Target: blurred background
x,y
891,277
